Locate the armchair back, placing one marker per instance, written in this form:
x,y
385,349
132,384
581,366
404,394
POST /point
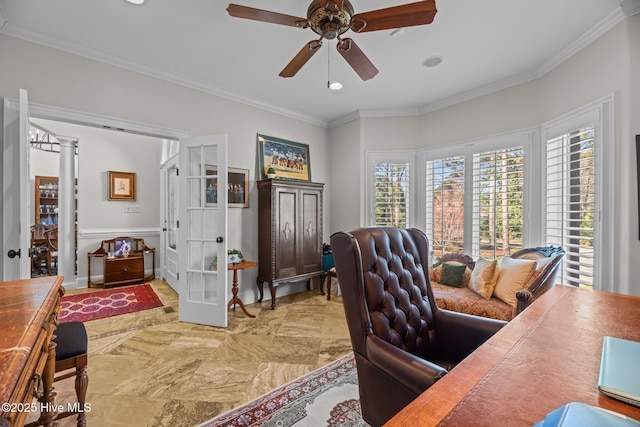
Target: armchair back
x,y
402,341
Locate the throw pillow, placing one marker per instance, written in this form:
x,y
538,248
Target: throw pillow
x,y
483,277
452,274
514,275
436,273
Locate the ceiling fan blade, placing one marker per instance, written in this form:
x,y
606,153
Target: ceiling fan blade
x,y
301,58
357,59
406,15
245,12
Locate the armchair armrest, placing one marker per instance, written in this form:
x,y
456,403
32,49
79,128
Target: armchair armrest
x,y
413,372
460,334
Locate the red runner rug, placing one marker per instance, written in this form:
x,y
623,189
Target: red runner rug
x,y
111,302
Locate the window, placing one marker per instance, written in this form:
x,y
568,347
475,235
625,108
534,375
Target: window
x,y
498,214
392,194
496,219
389,191
571,202
445,204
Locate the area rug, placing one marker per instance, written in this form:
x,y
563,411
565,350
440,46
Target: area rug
x,y
111,302
325,397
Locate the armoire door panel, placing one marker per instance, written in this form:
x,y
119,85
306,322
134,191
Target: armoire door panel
x,y
311,240
286,238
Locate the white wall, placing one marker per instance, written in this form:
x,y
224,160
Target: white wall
x,y
60,79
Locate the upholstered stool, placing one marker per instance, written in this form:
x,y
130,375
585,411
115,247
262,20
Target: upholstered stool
x,y
327,279
71,352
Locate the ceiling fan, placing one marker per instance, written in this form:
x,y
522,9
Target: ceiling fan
x,y
331,18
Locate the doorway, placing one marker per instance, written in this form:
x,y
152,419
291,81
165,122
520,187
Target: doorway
x,y
91,228
51,195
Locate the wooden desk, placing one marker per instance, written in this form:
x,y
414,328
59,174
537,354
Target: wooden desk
x,y
547,356
28,316
236,300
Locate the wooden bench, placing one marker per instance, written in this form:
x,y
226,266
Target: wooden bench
x,y
124,261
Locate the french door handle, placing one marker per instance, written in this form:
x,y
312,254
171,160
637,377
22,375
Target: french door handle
x,y
219,239
12,254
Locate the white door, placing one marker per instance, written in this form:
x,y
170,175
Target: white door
x,y
170,222
202,235
16,201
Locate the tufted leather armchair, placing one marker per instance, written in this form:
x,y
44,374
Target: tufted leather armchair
x,y
402,341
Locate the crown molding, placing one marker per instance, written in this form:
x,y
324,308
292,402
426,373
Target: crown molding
x,y
630,7
80,50
627,8
613,19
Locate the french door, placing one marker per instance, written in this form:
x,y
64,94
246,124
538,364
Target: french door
x,y
16,203
202,235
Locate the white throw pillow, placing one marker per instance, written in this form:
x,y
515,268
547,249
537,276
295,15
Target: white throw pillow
x,y
514,275
483,277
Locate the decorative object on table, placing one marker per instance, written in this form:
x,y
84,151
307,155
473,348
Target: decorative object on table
x,y
214,263
237,187
271,172
111,302
289,160
122,185
326,396
234,256
124,246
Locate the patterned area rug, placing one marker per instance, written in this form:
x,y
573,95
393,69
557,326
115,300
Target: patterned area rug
x,y
111,302
326,397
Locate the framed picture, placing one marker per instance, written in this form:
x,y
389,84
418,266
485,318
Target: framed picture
x,y
290,160
124,247
237,187
122,185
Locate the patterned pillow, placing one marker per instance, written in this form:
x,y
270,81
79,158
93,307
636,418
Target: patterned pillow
x,y
452,274
483,277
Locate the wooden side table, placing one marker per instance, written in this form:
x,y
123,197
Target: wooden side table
x,y
235,300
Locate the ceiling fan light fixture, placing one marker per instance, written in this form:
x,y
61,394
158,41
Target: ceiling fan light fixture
x,y
135,2
334,85
432,61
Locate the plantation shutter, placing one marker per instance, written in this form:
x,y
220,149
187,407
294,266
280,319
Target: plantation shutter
x,y
498,210
392,194
571,203
445,204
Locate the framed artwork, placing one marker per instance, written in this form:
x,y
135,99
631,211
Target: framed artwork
x,y
237,187
122,185
124,247
290,160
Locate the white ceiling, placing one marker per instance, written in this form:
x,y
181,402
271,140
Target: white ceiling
x,y
486,45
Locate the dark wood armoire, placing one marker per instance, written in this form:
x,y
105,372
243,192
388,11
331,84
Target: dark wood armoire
x,y
289,233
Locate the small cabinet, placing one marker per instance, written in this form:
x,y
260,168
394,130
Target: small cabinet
x,y
289,233
124,260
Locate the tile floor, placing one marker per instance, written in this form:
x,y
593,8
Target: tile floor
x,y
149,369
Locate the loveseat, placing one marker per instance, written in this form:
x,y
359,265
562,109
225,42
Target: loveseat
x,y
488,288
